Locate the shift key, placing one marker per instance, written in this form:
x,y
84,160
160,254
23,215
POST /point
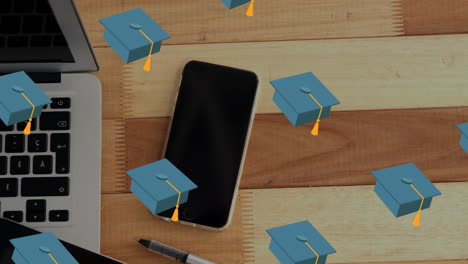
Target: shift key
x,y
55,121
45,186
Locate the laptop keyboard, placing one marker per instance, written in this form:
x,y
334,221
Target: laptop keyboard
x,y
37,166
28,23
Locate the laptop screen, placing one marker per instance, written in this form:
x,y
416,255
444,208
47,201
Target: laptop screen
x,y
29,33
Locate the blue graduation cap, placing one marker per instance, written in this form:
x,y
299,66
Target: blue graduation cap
x,y
20,99
161,186
299,243
405,189
303,99
464,137
235,3
43,248
134,35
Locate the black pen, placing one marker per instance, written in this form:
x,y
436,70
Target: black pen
x,y
173,253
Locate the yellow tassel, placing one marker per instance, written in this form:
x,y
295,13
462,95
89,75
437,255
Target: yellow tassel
x,y
147,66
175,216
417,219
27,129
315,130
250,10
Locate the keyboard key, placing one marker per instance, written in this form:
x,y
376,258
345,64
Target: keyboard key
x,y
5,6
33,24
59,41
14,143
37,143
8,187
36,205
35,210
55,121
17,42
42,164
22,125
45,186
58,215
2,41
3,127
19,165
41,41
51,25
60,103
16,216
42,6
3,165
23,6
10,24
60,144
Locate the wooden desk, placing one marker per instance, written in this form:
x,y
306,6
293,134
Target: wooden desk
x,y
401,94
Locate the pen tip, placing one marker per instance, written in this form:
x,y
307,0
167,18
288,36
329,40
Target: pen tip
x,y
144,242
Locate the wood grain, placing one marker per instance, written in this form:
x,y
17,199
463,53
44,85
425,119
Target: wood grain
x,y
370,233
350,146
377,73
423,17
209,21
360,227
110,75
121,229
460,261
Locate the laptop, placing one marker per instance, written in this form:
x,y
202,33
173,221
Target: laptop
x,y
50,179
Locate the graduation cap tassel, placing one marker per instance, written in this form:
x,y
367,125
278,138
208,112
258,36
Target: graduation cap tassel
x,y
250,10
175,215
417,218
315,129
27,129
147,66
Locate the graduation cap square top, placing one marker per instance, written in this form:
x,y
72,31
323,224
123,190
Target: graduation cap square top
x,y
43,248
20,99
133,35
161,186
303,99
299,243
464,137
405,189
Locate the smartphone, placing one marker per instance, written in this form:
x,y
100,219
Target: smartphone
x,y
208,137
11,230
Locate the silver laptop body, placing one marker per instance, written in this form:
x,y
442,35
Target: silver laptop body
x,y
53,194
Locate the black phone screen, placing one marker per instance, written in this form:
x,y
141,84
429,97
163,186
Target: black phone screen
x,y
11,230
208,135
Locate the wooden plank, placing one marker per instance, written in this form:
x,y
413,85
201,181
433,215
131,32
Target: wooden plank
x,y
377,73
121,228
434,16
114,156
460,261
361,228
370,233
209,21
349,147
110,75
